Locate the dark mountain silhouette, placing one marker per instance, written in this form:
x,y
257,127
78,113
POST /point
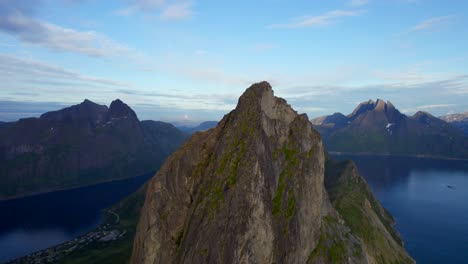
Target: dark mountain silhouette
x,y
378,127
79,145
201,127
457,120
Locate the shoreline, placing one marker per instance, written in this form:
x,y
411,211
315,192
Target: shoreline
x,y
422,156
71,188
65,248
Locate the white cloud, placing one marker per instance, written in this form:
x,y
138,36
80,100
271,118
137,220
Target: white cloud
x,y
431,23
435,106
320,20
137,6
264,46
411,1
201,52
19,23
358,2
427,108
177,11
210,74
148,4
406,76
311,109
28,71
165,9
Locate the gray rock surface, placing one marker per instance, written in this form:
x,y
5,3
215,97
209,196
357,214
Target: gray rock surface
x,y
250,190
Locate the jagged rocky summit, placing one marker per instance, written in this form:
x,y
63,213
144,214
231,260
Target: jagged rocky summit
x,y
379,128
252,190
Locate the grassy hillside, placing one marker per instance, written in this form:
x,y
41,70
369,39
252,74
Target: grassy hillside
x,y
360,210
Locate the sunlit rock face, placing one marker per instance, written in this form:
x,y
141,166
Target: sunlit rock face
x,y
250,190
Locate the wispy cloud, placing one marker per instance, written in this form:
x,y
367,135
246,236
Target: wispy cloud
x,y
406,76
358,2
164,9
147,4
428,108
201,52
137,6
320,20
13,68
264,46
13,110
435,106
411,1
182,100
227,98
212,75
431,23
16,19
436,97
177,11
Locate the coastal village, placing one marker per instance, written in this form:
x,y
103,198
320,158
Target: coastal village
x,y
103,234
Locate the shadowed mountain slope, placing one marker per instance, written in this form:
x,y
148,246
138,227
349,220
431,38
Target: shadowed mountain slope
x,y
379,128
457,120
80,145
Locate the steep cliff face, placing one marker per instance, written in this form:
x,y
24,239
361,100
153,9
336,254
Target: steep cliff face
x,y
250,190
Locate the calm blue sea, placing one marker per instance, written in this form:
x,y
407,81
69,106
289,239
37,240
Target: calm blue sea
x,y
429,200
36,222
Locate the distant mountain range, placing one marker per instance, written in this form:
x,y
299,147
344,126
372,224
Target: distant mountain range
x,y
201,127
379,128
458,120
80,145
262,184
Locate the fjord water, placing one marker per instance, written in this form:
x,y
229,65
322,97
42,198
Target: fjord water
x,y
429,200
36,222
427,197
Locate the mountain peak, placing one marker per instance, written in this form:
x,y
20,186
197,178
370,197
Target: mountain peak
x,y
256,183
86,101
423,117
363,107
119,109
260,88
260,98
245,175
380,105
420,114
87,110
253,96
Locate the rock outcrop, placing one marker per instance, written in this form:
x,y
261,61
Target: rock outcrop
x,y
251,190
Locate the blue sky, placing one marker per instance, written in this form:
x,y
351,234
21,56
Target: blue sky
x,y
189,60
